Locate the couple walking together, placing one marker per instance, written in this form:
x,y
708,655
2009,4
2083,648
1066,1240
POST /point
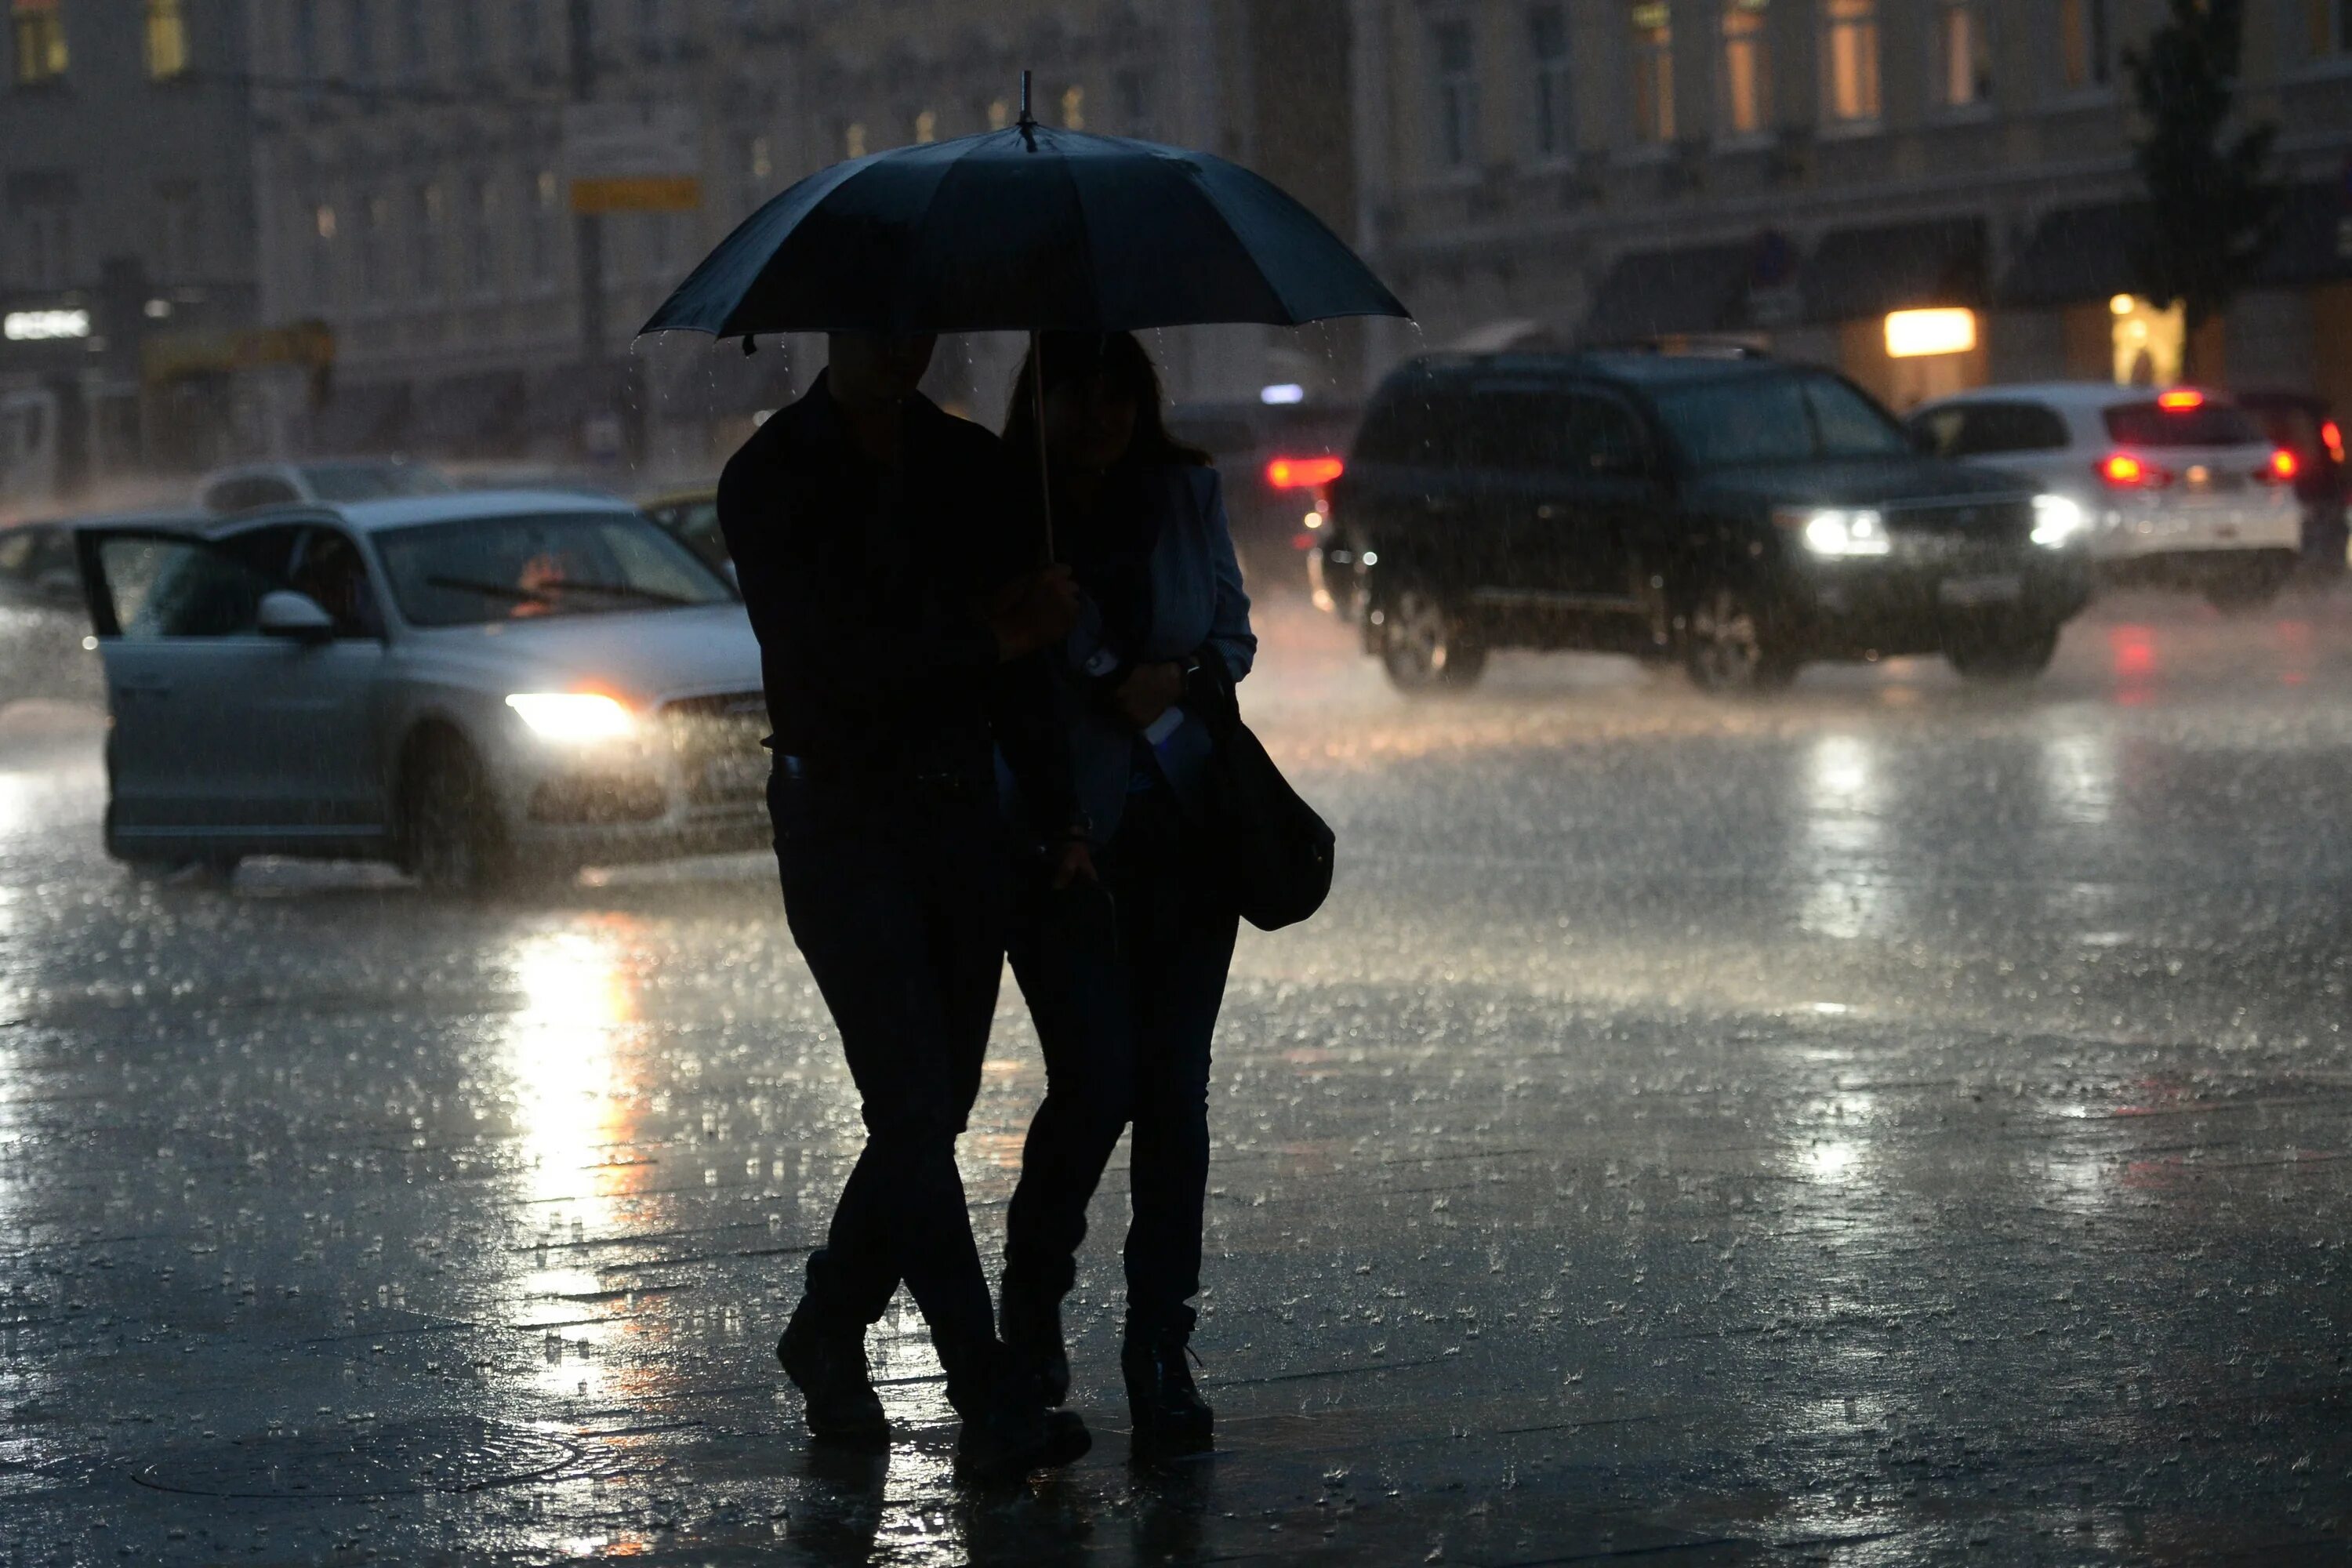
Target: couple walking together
x,y
976,756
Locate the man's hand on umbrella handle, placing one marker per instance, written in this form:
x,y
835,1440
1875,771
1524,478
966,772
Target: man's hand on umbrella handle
x,y
1034,611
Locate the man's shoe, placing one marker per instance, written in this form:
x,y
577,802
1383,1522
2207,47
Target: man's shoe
x,y
827,1362
1030,1319
1004,1439
1171,1416
1066,1438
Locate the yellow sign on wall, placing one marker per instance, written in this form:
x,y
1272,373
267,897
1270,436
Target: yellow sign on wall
x,y
637,194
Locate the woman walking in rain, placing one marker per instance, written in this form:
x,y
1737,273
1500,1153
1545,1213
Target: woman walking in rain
x,y
1124,975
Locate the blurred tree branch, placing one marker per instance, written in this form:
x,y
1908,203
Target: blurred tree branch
x,y
2214,208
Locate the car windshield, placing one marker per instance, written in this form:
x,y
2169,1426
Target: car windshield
x,y
340,483
522,568
1776,419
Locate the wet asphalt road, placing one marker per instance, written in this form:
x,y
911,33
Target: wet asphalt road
x,y
1890,1123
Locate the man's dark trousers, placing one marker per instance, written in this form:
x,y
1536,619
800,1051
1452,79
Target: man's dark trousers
x,y
895,892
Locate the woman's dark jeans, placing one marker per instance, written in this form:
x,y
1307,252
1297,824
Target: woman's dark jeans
x,y
1124,981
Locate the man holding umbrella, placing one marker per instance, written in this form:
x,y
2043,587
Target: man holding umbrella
x,y
893,581
867,526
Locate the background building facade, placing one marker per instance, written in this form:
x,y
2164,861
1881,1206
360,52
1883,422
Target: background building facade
x,y
1795,171
128,271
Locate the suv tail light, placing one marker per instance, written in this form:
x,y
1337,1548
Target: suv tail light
x,y
2331,435
1303,473
2282,467
2181,400
2124,471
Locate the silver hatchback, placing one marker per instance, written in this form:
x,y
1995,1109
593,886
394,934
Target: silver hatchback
x,y
477,687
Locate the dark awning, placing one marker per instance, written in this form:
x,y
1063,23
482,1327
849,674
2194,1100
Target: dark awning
x,y
370,417
2078,254
564,398
469,413
1660,293
1856,273
2313,243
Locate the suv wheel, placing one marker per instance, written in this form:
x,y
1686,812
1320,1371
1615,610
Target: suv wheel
x,y
450,835
1730,644
2013,653
1424,646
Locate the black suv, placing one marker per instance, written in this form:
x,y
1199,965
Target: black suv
x,y
1736,514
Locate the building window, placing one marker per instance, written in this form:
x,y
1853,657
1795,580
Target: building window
x,y
1455,52
322,254
1850,61
1747,67
1550,106
853,139
468,28
2085,48
546,222
927,126
425,260
482,235
525,38
2329,24
1653,70
306,43
179,241
44,244
167,41
1963,54
1133,89
415,51
360,44
40,38
653,27
1073,108
1000,113
375,246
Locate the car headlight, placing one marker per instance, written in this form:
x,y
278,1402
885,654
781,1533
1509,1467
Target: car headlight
x,y
2057,520
573,717
1838,531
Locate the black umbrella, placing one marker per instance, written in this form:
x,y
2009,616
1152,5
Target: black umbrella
x,y
1024,229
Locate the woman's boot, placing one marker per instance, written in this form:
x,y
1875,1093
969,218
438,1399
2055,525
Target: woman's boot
x,y
1171,1416
1029,1317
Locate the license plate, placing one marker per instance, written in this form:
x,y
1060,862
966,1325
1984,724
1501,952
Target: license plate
x,y
1971,591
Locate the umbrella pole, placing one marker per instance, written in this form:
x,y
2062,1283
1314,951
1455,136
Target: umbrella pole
x,y
1037,417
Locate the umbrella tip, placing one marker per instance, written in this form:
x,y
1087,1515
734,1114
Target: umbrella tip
x,y
1027,118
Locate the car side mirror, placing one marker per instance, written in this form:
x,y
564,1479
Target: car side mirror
x,y
287,613
60,590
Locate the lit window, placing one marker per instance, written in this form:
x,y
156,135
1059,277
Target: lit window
x,y
427,258
374,247
1747,67
40,39
323,255
1963,54
1552,118
1000,113
1653,70
1073,108
927,126
853,139
1850,61
2085,51
546,216
2330,24
1454,50
167,41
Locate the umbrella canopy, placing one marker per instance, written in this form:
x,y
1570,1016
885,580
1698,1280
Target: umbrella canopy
x,y
1024,229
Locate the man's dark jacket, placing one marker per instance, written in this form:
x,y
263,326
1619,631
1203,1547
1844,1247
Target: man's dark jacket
x,y
867,587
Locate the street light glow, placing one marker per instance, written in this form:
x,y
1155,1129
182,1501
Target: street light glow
x,y
44,326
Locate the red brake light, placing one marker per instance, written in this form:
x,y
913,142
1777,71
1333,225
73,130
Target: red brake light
x,y
2331,435
1303,473
2180,398
2283,466
2123,469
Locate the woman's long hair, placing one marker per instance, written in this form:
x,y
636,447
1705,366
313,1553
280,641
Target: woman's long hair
x,y
1119,355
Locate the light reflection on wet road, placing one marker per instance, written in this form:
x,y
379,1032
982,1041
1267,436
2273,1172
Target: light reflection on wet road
x,y
1889,1123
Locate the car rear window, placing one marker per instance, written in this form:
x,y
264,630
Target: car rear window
x,y
2206,425
1975,429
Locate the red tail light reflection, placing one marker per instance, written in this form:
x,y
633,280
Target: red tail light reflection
x,y
2283,466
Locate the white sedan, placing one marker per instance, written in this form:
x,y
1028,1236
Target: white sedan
x,y
475,688
2182,487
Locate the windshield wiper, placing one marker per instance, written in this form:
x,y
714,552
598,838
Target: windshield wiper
x,y
554,591
625,590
